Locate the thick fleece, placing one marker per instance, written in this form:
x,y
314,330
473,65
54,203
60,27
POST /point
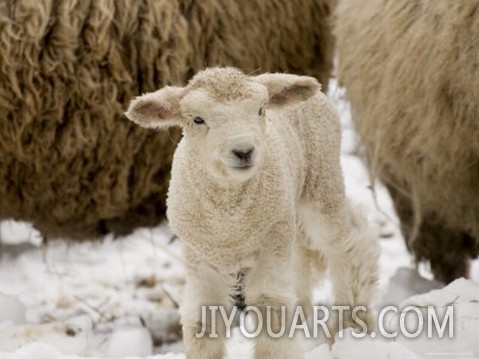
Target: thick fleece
x,y
69,161
410,68
257,183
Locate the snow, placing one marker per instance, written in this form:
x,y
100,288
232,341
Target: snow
x,y
85,298
119,298
133,341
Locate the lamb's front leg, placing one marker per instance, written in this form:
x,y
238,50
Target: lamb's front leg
x,y
352,253
205,287
270,288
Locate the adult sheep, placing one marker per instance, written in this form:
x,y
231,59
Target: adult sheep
x,y
69,162
411,73
256,180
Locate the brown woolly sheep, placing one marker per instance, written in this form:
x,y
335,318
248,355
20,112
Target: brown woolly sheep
x,y
411,70
69,162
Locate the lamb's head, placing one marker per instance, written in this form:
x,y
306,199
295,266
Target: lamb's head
x,y
222,112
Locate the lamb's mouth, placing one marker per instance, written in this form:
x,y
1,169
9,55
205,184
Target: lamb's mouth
x,y
243,167
240,166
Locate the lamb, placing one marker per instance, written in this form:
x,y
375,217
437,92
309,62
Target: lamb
x,y
69,163
410,68
256,183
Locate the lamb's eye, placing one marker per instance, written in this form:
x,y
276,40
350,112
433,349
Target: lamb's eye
x,y
261,111
198,120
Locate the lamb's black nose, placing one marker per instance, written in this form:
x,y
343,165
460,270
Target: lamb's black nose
x,y
244,155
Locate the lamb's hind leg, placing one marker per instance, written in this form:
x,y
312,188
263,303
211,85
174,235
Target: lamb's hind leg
x,y
352,253
310,269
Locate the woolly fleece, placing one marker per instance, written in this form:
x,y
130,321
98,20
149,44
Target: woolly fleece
x,y
410,68
69,162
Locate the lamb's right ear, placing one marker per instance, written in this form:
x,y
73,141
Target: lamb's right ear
x,y
157,109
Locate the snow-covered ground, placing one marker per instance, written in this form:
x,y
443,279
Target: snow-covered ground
x,y
119,298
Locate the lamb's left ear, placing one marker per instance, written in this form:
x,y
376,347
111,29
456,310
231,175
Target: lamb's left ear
x,y
157,109
286,89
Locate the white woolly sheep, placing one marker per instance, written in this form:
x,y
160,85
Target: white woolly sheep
x,y
256,183
411,70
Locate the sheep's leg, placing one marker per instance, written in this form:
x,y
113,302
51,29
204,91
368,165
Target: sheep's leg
x,y
269,288
448,249
203,336
310,268
352,253
303,280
